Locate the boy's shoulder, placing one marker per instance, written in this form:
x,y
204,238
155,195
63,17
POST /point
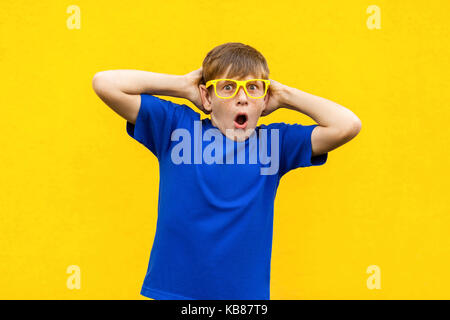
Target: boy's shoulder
x,y
281,125
274,125
178,109
188,111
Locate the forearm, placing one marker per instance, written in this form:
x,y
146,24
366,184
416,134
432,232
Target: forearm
x,y
137,82
325,112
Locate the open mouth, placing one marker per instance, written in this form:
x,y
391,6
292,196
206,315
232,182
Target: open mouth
x,y
240,121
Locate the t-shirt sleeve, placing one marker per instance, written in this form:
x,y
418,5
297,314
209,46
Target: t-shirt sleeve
x,y
296,148
156,120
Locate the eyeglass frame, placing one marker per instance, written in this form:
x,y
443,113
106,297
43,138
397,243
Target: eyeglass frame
x,y
239,83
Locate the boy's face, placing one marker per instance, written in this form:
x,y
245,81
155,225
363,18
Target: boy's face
x,y
236,117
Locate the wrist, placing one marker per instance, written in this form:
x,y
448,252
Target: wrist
x,y
185,87
284,95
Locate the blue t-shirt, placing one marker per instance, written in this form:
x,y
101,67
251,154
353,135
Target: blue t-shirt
x,y
213,237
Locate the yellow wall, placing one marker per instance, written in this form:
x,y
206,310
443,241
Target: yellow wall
x,y
77,190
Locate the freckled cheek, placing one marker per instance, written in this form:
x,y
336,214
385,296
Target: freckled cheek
x,y
223,112
258,110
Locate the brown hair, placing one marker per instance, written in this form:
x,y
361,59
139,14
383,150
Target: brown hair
x,y
242,60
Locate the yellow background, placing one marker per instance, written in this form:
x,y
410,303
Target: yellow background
x,y
77,190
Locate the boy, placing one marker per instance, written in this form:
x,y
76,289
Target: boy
x,y
215,214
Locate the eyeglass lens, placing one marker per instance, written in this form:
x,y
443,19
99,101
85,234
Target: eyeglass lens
x,y
227,88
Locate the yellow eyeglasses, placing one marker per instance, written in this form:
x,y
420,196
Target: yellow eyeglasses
x,y
227,88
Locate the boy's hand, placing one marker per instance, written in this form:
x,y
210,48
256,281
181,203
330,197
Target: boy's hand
x,y
193,80
274,102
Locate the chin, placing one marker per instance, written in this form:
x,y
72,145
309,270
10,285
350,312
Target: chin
x,y
243,134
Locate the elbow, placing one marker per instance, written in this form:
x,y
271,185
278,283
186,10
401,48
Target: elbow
x,y
351,129
97,82
356,126
100,82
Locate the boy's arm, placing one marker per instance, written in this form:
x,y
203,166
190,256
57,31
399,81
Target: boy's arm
x,y
336,124
121,89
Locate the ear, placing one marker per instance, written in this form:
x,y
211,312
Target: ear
x,y
206,98
267,97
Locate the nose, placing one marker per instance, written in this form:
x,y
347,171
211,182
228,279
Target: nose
x,y
241,95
